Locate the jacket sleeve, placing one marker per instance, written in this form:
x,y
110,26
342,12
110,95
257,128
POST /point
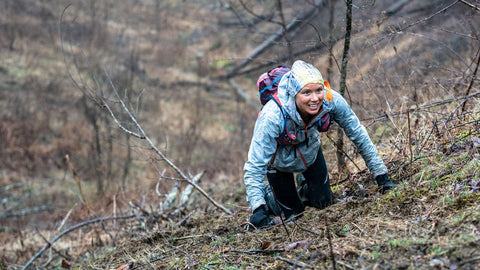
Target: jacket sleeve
x,y
356,132
262,149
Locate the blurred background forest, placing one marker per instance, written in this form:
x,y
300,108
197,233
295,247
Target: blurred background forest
x,y
187,69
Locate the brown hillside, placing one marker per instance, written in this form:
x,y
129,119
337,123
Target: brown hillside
x,y
64,160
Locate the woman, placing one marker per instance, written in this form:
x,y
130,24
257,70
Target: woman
x,y
306,99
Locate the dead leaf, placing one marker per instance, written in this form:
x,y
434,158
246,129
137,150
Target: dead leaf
x,y
66,264
265,245
296,245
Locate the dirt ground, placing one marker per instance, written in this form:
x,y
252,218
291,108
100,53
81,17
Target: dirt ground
x,y
431,221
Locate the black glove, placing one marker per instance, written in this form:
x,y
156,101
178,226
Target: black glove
x,y
260,219
384,183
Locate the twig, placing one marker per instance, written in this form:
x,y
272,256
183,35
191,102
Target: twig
x,y
12,186
428,137
409,137
345,153
345,265
329,238
474,75
186,237
418,108
57,237
470,5
79,184
296,264
66,218
469,260
359,228
258,251
281,218
300,255
307,230
419,21
48,242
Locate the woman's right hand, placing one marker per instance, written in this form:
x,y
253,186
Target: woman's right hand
x,y
260,219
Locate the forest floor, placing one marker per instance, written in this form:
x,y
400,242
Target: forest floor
x,y
430,221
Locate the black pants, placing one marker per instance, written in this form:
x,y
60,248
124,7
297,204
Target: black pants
x,y
317,188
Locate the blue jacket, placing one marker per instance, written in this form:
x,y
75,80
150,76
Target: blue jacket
x,y
270,125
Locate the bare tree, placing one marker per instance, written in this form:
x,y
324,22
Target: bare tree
x,y
119,107
343,77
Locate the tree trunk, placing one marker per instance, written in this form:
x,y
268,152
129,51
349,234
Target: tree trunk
x,y
343,77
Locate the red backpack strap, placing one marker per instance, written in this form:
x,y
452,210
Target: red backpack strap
x,y
274,155
301,156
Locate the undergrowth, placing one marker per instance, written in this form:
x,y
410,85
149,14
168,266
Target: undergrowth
x,y
431,220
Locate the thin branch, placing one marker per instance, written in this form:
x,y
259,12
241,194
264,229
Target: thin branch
x,y
418,108
258,251
345,153
79,184
474,75
255,15
419,21
160,153
299,264
410,137
470,5
329,238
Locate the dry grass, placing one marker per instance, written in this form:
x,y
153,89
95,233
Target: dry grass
x,y
430,221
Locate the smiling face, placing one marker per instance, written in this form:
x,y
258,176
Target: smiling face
x,y
309,100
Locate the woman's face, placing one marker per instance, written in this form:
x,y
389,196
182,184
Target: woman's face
x,y
309,100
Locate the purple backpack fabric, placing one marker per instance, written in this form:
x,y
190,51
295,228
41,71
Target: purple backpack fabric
x,y
267,83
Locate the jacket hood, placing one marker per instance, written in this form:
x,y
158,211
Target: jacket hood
x,y
301,74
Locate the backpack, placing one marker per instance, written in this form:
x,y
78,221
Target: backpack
x,y
267,85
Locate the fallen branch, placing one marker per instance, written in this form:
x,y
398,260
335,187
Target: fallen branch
x,y
65,232
26,211
296,22
240,92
